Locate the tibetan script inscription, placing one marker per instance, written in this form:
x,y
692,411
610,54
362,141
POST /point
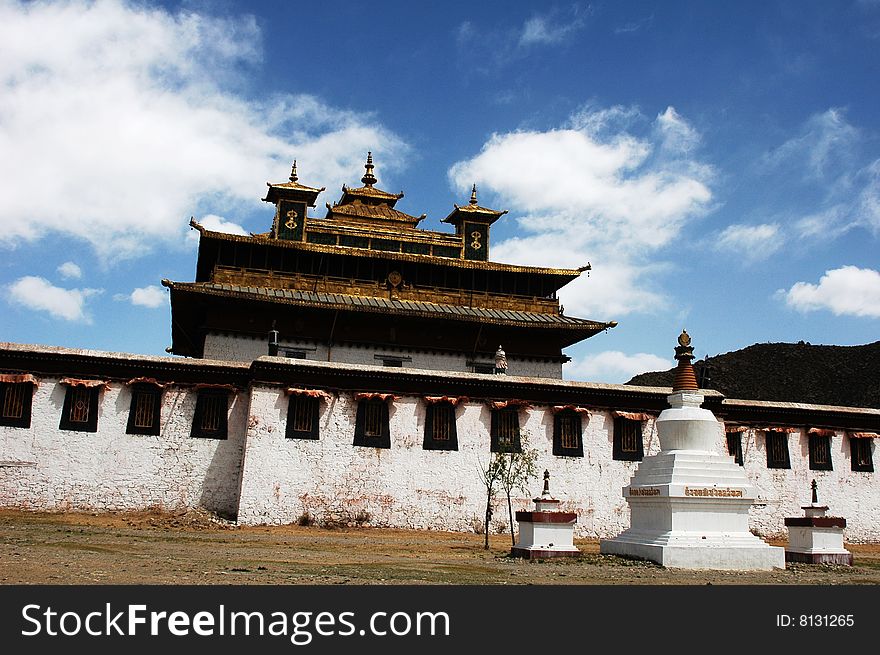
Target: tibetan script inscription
x,y
724,492
644,491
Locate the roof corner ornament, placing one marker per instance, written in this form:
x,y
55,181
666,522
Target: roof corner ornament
x,y
500,361
473,200
369,179
293,176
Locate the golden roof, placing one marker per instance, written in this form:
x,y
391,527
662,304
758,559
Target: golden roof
x,y
293,185
491,215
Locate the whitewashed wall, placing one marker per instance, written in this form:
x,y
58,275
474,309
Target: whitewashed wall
x,y
851,494
46,468
245,349
406,486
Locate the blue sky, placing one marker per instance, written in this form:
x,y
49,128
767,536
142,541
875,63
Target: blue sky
x,y
718,164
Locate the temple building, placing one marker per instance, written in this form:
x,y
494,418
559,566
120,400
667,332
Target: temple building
x,y
347,369
365,285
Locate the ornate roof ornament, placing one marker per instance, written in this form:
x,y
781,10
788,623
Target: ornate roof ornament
x,y
369,179
293,176
685,379
473,200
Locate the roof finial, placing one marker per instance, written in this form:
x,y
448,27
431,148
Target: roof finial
x,y
474,195
369,179
293,175
685,378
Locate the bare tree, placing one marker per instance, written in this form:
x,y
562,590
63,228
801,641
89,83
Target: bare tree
x,y
491,476
516,469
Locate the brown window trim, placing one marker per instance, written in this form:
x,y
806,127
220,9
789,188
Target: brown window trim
x,y
855,444
208,400
818,444
75,393
501,418
574,419
776,445
302,409
621,425
151,395
734,446
16,404
380,437
434,413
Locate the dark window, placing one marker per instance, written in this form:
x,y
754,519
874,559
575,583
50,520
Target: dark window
x,y
860,452
302,417
371,424
440,433
735,446
396,363
210,419
484,368
777,450
15,404
820,453
295,354
628,444
567,433
80,411
145,410
505,430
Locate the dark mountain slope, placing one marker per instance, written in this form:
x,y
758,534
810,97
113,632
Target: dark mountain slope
x,y
789,372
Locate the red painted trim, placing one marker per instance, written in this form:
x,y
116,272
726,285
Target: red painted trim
x,y
844,559
546,517
816,522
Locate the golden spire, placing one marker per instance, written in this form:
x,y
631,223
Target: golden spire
x,y
685,379
474,195
369,179
293,175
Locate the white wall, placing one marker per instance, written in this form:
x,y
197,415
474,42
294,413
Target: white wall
x,y
245,349
112,470
45,468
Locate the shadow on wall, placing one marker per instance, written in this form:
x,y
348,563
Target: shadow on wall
x,y
222,483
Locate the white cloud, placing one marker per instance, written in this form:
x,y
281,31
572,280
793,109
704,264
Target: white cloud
x,y
540,30
217,224
614,367
845,291
39,294
150,296
122,111
585,193
751,242
70,271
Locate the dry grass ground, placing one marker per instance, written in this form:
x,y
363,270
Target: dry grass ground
x,y
195,548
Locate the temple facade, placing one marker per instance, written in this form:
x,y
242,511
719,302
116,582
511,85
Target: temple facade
x,y
347,369
365,285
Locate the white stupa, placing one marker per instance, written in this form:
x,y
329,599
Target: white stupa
x,y
689,505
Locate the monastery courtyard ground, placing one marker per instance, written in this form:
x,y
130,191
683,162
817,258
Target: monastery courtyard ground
x,y
196,548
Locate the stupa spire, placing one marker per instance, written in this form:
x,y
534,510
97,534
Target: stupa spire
x,y
293,176
369,179
685,379
473,200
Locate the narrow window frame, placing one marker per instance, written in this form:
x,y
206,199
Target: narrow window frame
x,y
298,407
152,395
857,462
734,447
73,394
205,404
621,450
819,447
776,445
24,391
503,419
380,435
440,420
561,445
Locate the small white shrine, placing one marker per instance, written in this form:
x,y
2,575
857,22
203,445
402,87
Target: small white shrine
x,y
689,505
547,531
815,538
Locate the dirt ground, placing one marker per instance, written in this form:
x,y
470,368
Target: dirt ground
x,y
197,548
